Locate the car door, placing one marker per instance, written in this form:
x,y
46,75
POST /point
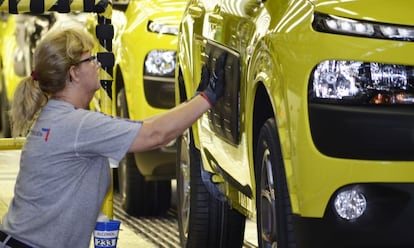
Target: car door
x,y
228,27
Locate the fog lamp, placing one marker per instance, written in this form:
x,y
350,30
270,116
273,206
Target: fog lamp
x,y
350,204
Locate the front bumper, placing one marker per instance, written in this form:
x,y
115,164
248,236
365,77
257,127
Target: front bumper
x,y
157,164
388,221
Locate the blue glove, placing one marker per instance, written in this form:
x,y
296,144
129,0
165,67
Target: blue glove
x,y
212,87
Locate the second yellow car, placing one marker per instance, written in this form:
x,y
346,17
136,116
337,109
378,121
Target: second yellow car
x,y
145,49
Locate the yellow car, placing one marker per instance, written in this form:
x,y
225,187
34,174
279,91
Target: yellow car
x,y
11,65
145,47
20,34
7,27
314,136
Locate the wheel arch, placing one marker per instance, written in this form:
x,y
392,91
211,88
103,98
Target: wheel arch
x,y
268,94
262,111
269,104
119,78
183,93
119,85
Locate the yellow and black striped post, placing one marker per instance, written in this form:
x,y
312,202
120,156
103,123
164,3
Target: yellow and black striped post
x,y
61,6
104,34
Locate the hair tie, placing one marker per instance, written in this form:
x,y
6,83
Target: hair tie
x,y
35,76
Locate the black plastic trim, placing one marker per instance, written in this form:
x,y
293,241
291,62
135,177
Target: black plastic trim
x,y
363,132
159,92
245,189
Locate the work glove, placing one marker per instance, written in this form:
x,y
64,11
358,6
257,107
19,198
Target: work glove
x,y
211,87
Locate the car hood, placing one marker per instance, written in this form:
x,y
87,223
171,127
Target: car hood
x,y
386,11
161,9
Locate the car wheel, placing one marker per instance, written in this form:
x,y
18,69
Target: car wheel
x,y
274,213
183,185
138,196
203,220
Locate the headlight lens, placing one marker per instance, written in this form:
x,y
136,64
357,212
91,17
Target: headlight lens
x,y
160,63
162,28
362,83
339,25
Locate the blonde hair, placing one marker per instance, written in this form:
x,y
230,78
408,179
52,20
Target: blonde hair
x,y
53,57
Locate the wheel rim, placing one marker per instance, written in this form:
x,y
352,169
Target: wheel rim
x,y
268,202
184,177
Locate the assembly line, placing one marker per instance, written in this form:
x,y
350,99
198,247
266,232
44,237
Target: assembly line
x,y
206,123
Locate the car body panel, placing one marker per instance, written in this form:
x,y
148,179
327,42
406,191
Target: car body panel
x,y
135,47
9,54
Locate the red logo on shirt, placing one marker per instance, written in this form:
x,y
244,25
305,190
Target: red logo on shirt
x,y
47,132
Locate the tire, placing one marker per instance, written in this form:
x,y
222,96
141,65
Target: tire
x,y
138,196
203,220
274,212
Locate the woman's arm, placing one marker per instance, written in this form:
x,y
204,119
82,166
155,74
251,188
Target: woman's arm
x,y
161,129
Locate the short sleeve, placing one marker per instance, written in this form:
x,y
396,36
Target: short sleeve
x,y
100,134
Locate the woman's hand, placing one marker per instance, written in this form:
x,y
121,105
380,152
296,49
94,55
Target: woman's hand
x,y
212,86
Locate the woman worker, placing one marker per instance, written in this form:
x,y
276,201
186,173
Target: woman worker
x,y
64,170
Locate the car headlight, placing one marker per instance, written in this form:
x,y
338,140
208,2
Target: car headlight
x,y
162,28
355,82
160,63
340,25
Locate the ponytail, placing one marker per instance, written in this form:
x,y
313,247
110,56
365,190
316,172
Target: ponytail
x,y
27,101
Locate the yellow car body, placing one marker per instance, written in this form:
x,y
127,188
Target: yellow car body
x,y
20,35
144,46
10,73
332,82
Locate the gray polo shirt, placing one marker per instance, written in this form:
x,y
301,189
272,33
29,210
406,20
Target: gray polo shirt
x,y
64,175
